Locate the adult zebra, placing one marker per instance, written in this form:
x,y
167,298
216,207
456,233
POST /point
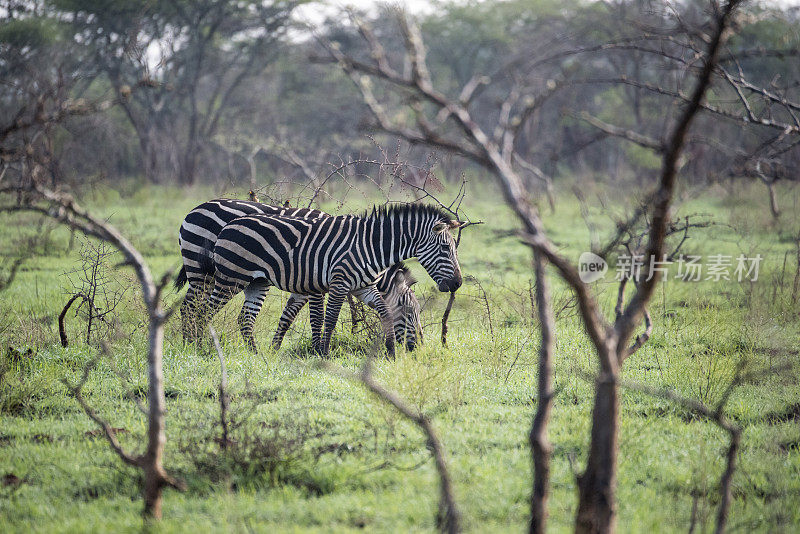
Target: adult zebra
x,y
198,234
337,255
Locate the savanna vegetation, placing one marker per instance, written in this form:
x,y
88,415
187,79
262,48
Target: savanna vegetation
x,y
642,400
316,452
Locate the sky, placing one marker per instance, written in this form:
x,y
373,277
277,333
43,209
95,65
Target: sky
x,y
317,11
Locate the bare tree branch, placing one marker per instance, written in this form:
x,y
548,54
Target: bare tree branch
x,y
663,196
449,517
63,208
630,135
224,400
108,430
717,416
12,273
596,510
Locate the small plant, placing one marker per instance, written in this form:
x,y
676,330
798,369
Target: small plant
x,y
97,291
269,452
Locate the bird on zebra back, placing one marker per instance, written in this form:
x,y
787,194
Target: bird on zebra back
x,y
198,235
334,255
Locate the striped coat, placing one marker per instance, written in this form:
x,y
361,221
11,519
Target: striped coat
x,y
198,234
338,255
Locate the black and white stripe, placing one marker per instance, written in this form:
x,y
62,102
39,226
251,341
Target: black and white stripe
x,y
337,255
198,235
394,286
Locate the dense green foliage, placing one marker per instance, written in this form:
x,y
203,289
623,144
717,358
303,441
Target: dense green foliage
x,y
207,89
315,453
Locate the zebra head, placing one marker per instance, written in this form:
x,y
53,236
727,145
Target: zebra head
x,y
436,248
401,299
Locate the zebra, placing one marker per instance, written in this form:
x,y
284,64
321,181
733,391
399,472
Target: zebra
x,y
198,234
337,255
395,287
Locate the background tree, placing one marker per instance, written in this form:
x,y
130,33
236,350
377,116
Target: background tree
x,y
197,58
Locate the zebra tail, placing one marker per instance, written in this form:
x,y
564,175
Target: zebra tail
x,y
206,259
181,279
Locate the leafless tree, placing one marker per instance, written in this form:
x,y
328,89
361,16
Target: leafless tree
x,y
446,123
99,292
34,189
64,209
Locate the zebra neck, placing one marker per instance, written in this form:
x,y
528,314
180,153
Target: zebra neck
x,y
392,239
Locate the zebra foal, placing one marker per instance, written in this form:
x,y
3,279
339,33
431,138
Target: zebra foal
x,y
337,255
197,237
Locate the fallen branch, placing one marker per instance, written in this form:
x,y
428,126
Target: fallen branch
x,y
62,330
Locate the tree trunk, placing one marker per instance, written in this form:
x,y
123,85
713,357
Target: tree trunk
x,y
251,162
189,163
154,474
773,200
148,143
596,486
541,449
725,483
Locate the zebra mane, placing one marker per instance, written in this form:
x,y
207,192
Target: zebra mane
x,y
409,209
400,267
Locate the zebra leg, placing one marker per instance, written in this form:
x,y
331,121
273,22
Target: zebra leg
x,y
372,298
254,296
316,311
189,314
290,311
191,308
218,298
335,300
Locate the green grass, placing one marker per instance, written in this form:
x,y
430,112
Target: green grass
x,y
316,453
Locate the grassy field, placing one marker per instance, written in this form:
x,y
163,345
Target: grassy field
x,y
316,453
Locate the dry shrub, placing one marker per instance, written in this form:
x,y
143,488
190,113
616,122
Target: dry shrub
x,y
283,450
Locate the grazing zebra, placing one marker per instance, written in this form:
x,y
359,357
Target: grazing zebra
x,y
337,255
395,287
198,234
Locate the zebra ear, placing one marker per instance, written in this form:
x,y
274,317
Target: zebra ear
x,y
454,224
410,279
